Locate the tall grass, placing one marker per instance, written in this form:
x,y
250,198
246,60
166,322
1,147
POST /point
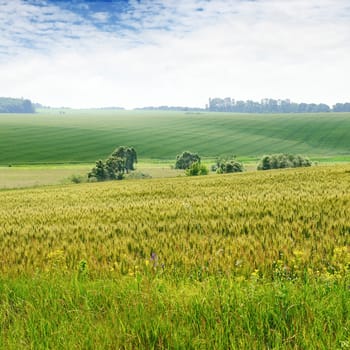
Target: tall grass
x,y
244,261
144,313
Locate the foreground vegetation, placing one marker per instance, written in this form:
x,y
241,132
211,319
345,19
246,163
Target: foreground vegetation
x,y
253,260
84,136
155,313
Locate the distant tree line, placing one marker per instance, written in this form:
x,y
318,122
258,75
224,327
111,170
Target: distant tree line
x,y
283,160
269,105
39,105
171,108
341,107
16,105
112,108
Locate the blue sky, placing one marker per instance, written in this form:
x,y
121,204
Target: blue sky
x,y
135,53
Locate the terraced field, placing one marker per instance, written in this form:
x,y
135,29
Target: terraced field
x,y
84,136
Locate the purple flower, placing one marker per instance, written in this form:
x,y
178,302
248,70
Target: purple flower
x,y
154,256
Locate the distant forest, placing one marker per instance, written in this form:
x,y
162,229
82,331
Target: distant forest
x,y
269,105
170,108
16,105
266,105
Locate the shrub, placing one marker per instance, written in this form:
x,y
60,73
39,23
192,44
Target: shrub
x,y
197,169
224,166
279,161
77,179
186,159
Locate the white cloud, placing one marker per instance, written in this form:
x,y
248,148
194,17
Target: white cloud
x,y
176,52
101,16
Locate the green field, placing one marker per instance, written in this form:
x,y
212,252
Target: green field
x,y
258,260
54,174
84,136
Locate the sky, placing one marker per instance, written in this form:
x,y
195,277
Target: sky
x,y
136,53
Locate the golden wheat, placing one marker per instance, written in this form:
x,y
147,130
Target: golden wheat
x,y
252,224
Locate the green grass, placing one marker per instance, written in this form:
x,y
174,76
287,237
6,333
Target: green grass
x,y
33,176
84,136
23,176
143,313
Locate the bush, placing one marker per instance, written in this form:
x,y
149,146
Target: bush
x,y
139,175
77,179
197,169
224,166
186,159
280,161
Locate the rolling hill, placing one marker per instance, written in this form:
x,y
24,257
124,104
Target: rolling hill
x,y
84,136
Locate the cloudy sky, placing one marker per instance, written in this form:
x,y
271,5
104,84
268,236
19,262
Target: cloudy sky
x,y
135,53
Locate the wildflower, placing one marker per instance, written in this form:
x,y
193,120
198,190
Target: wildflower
x,y
154,259
154,256
298,253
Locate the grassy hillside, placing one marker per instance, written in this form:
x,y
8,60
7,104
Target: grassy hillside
x,y
245,261
79,136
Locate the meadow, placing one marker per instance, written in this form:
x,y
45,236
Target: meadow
x,y
85,136
23,176
258,260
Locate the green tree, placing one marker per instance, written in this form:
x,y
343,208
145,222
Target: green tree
x,y
197,169
128,155
224,166
99,171
186,159
121,161
115,168
280,161
265,163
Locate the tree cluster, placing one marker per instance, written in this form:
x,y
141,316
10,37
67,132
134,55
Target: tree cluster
x,y
121,161
225,166
186,159
272,106
16,105
191,162
279,161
